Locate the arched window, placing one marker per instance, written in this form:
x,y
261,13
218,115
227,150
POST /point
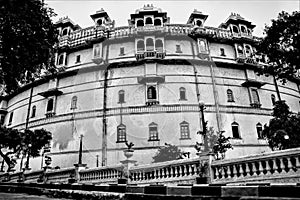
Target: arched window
x,y
151,92
157,22
240,50
199,23
248,50
184,130
230,97
96,51
153,134
50,105
202,45
65,32
148,20
140,45
99,22
121,133
74,103
273,99
182,93
149,44
33,111
121,96
235,130
243,29
235,29
60,59
255,97
159,45
259,130
139,23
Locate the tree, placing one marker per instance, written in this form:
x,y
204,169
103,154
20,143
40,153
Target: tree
x,y
27,37
283,129
167,153
282,46
14,142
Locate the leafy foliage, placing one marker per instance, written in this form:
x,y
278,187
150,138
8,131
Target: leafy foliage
x,y
282,45
283,130
167,153
14,142
27,37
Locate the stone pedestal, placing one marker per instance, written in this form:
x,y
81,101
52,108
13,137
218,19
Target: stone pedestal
x,y
78,167
205,160
128,163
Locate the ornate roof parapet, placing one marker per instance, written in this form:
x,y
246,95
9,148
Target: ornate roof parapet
x,y
101,18
236,19
197,18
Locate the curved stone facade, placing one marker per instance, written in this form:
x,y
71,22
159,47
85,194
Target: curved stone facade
x,y
142,83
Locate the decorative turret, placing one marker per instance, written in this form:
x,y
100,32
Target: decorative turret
x,y
101,18
148,16
65,26
197,18
237,24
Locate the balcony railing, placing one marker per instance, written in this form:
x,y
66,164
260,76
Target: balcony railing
x,y
141,55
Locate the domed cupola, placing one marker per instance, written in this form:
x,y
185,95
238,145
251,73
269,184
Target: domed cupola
x,y
238,25
148,16
101,19
197,18
66,26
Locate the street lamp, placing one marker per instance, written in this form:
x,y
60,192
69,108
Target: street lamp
x,y
28,155
204,128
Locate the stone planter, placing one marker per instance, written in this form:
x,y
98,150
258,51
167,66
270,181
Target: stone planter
x,y
128,153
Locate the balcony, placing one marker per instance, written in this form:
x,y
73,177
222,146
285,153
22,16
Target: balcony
x,y
151,102
255,105
246,60
149,29
141,55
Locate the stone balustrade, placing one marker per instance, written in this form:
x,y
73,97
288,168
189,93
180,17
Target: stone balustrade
x,y
32,176
170,172
98,175
82,36
60,176
277,166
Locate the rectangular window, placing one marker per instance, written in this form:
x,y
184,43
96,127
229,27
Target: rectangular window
x,y
78,59
121,134
222,52
10,118
122,51
184,131
178,49
153,134
255,97
259,132
235,131
202,46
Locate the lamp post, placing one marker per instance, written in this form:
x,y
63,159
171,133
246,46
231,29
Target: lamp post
x,y
204,128
80,151
28,156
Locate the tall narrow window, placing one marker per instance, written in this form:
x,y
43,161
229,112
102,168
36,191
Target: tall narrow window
x,y
74,103
140,45
178,49
235,29
121,133
149,44
248,50
60,59
159,45
10,118
255,97
259,130
151,92
153,134
184,130
78,59
148,20
33,111
235,130
243,29
222,52
273,99
50,105
121,96
96,51
240,50
202,45
182,93
122,51
230,97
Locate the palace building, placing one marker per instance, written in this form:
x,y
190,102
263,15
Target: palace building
x,y
143,83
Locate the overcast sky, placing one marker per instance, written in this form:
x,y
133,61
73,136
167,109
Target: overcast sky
x,y
258,12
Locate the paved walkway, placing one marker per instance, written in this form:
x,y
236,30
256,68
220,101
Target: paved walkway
x,y
14,196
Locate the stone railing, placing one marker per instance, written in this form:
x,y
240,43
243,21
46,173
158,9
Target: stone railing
x,y
278,166
99,175
32,176
82,36
60,176
171,172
